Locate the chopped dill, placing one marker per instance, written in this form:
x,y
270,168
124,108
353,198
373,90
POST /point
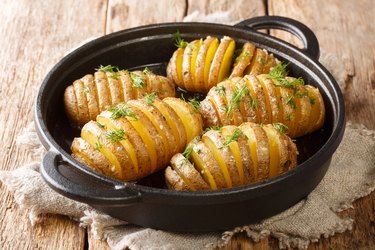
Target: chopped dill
x,y
236,98
178,41
98,144
147,71
220,89
231,138
138,82
188,151
290,102
312,100
280,127
121,110
195,104
112,70
150,98
115,135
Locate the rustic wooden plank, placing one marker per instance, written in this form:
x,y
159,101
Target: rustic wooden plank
x,y
34,36
123,14
238,9
343,28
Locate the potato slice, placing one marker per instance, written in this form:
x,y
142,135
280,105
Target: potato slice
x,y
273,149
105,121
174,122
210,165
272,103
115,88
218,159
174,68
161,85
91,96
187,173
200,63
162,128
187,75
113,151
226,62
104,95
257,63
252,146
220,148
134,141
149,136
71,106
190,118
209,112
228,131
218,65
289,108
194,64
140,83
82,106
263,156
317,109
259,98
211,52
88,155
126,83
243,60
217,96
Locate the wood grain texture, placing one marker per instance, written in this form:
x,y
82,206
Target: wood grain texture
x,y
36,34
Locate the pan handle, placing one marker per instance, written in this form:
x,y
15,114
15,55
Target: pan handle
x,y
304,33
95,191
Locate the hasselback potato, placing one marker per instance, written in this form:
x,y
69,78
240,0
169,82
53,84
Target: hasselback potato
x,y
232,156
265,99
91,94
135,139
201,64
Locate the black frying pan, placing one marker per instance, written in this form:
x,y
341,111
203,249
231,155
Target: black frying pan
x,y
148,203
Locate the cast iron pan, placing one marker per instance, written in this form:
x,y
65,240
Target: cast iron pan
x,y
148,203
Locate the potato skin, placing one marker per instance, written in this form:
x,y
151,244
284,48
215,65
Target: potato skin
x,y
125,143
235,138
263,100
88,96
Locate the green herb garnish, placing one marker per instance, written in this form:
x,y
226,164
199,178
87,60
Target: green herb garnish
x,y
115,135
147,71
179,42
121,110
150,98
195,104
112,70
231,138
100,125
138,82
290,102
188,151
312,100
280,127
220,89
98,144
236,98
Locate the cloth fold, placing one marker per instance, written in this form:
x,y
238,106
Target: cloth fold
x,y
350,176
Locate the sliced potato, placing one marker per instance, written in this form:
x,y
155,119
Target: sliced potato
x,y
232,156
216,73
243,60
90,95
189,117
265,99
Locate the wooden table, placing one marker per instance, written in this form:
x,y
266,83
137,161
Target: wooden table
x,y
35,34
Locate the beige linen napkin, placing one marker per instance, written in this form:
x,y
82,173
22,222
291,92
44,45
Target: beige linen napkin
x,y
350,176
